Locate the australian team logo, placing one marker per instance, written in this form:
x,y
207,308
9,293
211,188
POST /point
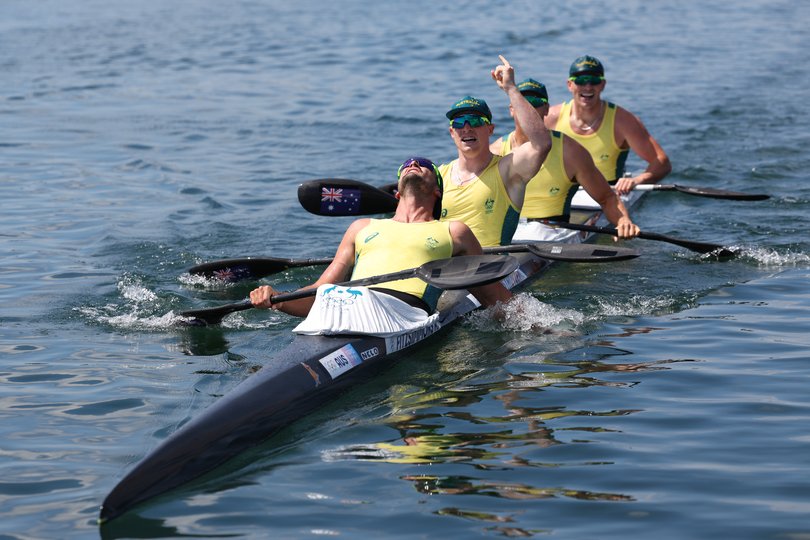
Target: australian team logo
x,y
341,297
489,206
431,243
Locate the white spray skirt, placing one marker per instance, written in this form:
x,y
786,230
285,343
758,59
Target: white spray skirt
x,y
359,310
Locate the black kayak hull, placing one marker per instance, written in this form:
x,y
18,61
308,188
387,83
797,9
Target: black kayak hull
x,y
310,371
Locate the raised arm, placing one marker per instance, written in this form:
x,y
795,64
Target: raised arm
x,y
523,162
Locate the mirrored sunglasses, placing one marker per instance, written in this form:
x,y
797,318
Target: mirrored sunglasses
x,y
582,80
472,119
422,162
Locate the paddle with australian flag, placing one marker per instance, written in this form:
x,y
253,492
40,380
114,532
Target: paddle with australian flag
x,y
341,197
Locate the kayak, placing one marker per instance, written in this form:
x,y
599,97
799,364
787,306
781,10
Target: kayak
x,y
294,382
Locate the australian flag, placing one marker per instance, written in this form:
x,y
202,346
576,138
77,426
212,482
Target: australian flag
x,y
340,201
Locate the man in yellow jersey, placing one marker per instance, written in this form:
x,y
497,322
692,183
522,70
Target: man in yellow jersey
x,y
370,247
606,130
483,190
549,193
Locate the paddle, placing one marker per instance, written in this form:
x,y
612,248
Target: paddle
x,y
703,192
341,197
232,270
249,268
700,247
453,273
586,253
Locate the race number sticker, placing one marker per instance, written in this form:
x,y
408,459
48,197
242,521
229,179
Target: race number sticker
x,y
341,361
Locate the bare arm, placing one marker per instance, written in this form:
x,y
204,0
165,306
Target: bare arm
x,y
339,270
551,118
524,161
465,243
496,146
579,166
630,131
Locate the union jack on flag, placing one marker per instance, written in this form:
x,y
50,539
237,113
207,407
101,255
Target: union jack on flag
x,y
337,201
332,194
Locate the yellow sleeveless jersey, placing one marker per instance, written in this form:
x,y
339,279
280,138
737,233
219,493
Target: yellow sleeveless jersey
x,y
550,191
606,154
483,205
413,244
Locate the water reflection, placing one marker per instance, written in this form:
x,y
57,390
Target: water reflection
x,y
132,525
464,485
425,415
505,419
207,341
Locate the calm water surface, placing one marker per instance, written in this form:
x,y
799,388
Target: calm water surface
x,y
138,139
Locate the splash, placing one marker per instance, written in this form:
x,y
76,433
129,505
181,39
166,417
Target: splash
x,y
636,306
525,313
769,257
110,315
137,308
198,281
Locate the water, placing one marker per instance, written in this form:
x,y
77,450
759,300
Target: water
x,y
141,138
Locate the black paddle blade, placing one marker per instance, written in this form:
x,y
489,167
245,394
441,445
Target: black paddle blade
x,y
214,315
720,193
232,270
698,247
467,271
582,252
340,197
566,252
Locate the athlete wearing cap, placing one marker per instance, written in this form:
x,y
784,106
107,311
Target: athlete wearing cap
x,y
481,189
606,130
567,166
370,247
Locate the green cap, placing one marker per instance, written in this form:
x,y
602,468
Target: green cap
x,y
467,105
586,65
530,87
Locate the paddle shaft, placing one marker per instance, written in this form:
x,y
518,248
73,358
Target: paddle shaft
x,y
454,273
700,247
343,197
258,267
703,192
214,315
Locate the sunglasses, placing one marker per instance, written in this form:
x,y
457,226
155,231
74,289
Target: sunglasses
x,y
422,162
472,119
536,101
582,80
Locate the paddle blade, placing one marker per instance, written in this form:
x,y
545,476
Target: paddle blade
x,y
467,271
582,252
340,197
232,270
721,194
214,315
